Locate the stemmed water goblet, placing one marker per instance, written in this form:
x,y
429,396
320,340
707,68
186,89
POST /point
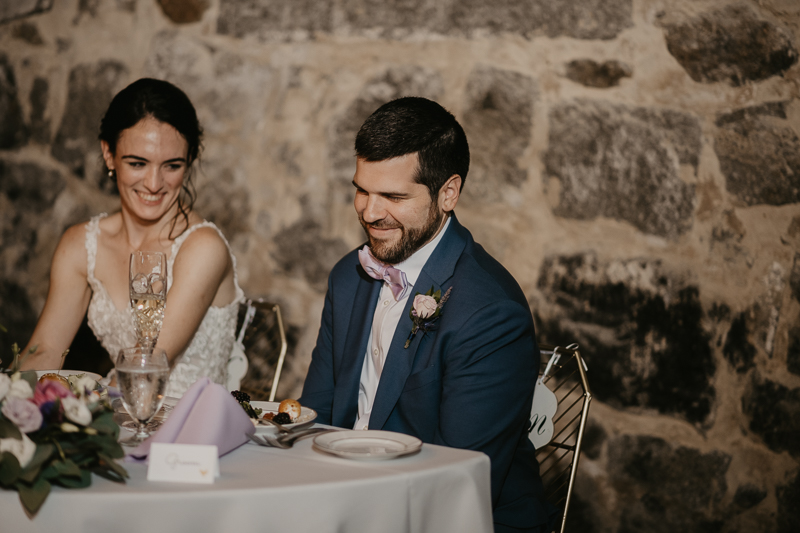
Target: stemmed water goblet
x,y
148,294
142,375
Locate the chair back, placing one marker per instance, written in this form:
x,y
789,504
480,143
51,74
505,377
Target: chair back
x,y
563,371
263,340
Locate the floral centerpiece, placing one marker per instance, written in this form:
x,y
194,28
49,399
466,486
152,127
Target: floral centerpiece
x,y
54,434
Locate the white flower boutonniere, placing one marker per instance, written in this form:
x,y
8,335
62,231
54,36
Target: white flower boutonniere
x,y
425,311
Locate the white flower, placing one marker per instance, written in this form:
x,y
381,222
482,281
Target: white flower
x,y
23,413
424,305
82,385
23,449
5,384
20,389
76,411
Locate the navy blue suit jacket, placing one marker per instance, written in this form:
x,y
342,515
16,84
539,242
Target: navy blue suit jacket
x,y
467,384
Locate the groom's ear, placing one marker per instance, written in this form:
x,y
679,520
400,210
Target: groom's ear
x,y
449,193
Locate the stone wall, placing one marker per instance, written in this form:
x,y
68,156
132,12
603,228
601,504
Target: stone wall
x,y
636,165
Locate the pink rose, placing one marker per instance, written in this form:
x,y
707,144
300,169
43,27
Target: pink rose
x,y
23,413
49,391
424,305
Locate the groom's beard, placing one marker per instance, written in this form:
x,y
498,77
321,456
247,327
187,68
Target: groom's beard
x,y
410,240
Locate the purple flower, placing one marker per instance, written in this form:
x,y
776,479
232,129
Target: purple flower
x,y
23,413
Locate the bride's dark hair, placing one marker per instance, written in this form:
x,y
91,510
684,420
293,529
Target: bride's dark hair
x,y
148,97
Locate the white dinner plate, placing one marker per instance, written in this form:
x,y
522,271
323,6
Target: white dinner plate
x,y
66,373
369,445
306,415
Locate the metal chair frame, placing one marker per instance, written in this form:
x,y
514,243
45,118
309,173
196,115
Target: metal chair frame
x,y
559,458
254,306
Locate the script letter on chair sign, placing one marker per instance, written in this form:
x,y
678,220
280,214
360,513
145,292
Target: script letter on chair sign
x,y
543,410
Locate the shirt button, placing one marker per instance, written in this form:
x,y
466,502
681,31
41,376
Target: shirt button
x,y
375,351
385,303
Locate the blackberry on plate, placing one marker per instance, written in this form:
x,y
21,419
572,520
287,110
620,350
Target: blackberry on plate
x,y
240,396
282,418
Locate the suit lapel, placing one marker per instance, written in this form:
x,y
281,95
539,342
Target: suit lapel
x,y
345,398
400,360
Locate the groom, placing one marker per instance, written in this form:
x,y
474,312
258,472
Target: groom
x,y
456,367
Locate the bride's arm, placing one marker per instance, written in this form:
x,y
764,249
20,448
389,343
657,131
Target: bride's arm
x,y
67,301
202,275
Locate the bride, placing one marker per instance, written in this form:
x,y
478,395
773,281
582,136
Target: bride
x,y
150,138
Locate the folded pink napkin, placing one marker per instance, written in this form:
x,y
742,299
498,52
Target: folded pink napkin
x,y
206,414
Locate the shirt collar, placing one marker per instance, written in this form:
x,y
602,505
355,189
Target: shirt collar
x,y
413,265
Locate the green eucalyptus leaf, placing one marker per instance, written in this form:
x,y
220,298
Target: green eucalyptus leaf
x,y
437,295
9,430
105,424
111,464
67,468
75,482
33,496
9,469
44,452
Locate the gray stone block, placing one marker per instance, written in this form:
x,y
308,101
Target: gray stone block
x,y
640,331
748,496
593,74
666,488
303,250
581,19
302,19
772,410
396,16
12,9
17,316
27,32
225,203
13,132
497,121
623,163
731,44
40,123
394,83
184,11
90,90
788,517
274,19
759,155
738,349
30,187
793,351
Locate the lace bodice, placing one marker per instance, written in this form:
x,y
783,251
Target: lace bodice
x,y
210,348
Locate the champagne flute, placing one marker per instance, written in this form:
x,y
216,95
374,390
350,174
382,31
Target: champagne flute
x,y
148,293
142,375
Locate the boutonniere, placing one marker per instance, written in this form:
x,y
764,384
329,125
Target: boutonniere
x,y
425,311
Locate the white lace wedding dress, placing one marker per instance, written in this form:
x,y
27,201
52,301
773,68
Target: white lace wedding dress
x,y
210,348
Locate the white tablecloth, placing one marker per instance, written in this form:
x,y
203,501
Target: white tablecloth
x,y
438,490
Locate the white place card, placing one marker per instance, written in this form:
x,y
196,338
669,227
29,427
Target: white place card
x,y
183,463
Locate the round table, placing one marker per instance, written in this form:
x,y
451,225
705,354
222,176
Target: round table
x,y
437,490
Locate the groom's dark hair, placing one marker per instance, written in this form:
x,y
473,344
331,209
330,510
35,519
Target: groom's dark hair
x,y
413,124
